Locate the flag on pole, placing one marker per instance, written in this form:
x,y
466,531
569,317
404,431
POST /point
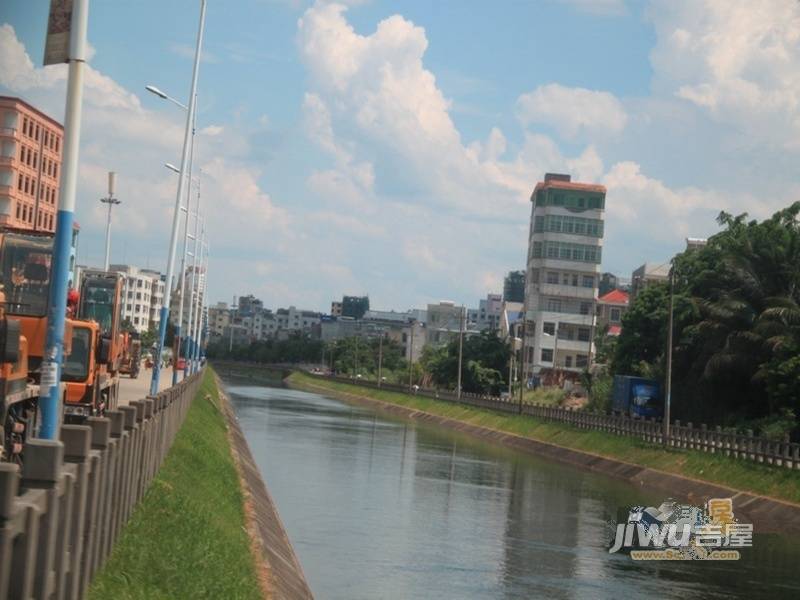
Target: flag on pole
x,y
56,48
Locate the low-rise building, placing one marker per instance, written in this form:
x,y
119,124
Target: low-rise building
x,y
611,307
648,274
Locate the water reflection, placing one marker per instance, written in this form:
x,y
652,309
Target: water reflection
x,y
378,508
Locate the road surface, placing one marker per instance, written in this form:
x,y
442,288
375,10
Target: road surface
x,y
137,389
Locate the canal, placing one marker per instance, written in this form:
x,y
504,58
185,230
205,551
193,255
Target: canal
x,y
381,508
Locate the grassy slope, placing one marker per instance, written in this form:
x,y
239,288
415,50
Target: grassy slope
x,y
741,475
187,538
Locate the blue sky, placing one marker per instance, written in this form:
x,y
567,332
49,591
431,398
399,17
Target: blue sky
x,y
390,148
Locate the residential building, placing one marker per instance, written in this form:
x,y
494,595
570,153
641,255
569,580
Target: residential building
x,y
30,166
514,286
219,317
157,290
294,320
564,255
611,307
140,295
250,305
489,312
608,282
444,322
355,306
511,319
695,243
648,274
336,309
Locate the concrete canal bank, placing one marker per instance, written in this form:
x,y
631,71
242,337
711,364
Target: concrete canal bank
x,y
767,513
280,573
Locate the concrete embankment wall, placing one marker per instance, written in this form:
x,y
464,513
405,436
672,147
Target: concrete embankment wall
x,y
281,574
767,514
60,517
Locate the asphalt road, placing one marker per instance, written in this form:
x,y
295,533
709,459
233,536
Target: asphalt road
x,y
137,389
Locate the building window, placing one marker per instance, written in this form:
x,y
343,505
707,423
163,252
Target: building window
x,y
547,355
538,225
615,315
584,335
553,305
135,320
588,281
568,361
586,308
581,361
549,328
552,277
537,249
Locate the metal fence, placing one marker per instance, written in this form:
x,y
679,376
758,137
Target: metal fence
x,y
704,439
60,516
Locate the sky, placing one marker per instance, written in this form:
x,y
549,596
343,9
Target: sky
x,y
390,148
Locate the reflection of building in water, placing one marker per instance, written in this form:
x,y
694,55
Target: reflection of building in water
x,y
541,531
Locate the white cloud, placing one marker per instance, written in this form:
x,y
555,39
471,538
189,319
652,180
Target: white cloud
x,y
599,7
572,111
735,59
188,51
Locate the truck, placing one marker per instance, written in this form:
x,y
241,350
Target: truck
x,y
637,397
25,269
91,372
131,356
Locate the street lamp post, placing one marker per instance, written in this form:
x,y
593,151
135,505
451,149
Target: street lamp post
x,y
380,357
173,242
111,201
50,368
411,354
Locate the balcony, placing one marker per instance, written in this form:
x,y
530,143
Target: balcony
x,y
9,132
567,291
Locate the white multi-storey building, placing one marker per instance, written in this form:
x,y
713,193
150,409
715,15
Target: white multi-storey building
x,y
142,294
564,254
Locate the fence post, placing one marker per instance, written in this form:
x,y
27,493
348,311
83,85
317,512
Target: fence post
x,y
9,487
40,471
77,440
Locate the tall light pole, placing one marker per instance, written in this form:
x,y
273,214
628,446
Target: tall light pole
x,y
462,318
173,242
111,201
194,298
50,368
176,343
202,304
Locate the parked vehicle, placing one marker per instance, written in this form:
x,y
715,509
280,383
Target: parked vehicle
x,y
637,397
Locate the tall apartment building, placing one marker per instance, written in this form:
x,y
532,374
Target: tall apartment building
x,y
30,166
564,254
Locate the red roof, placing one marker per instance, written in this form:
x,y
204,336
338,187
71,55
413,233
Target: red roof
x,y
614,329
614,297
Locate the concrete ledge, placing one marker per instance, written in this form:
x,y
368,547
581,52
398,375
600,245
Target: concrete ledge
x,y
769,515
281,575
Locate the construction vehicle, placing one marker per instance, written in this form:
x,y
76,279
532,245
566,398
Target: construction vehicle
x,y
91,372
131,356
25,265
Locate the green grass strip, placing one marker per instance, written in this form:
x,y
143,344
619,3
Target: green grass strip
x,y
776,482
187,539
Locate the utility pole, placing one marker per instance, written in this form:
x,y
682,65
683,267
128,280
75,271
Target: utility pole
x,y
355,362
411,355
50,368
522,360
111,201
668,386
460,350
380,358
